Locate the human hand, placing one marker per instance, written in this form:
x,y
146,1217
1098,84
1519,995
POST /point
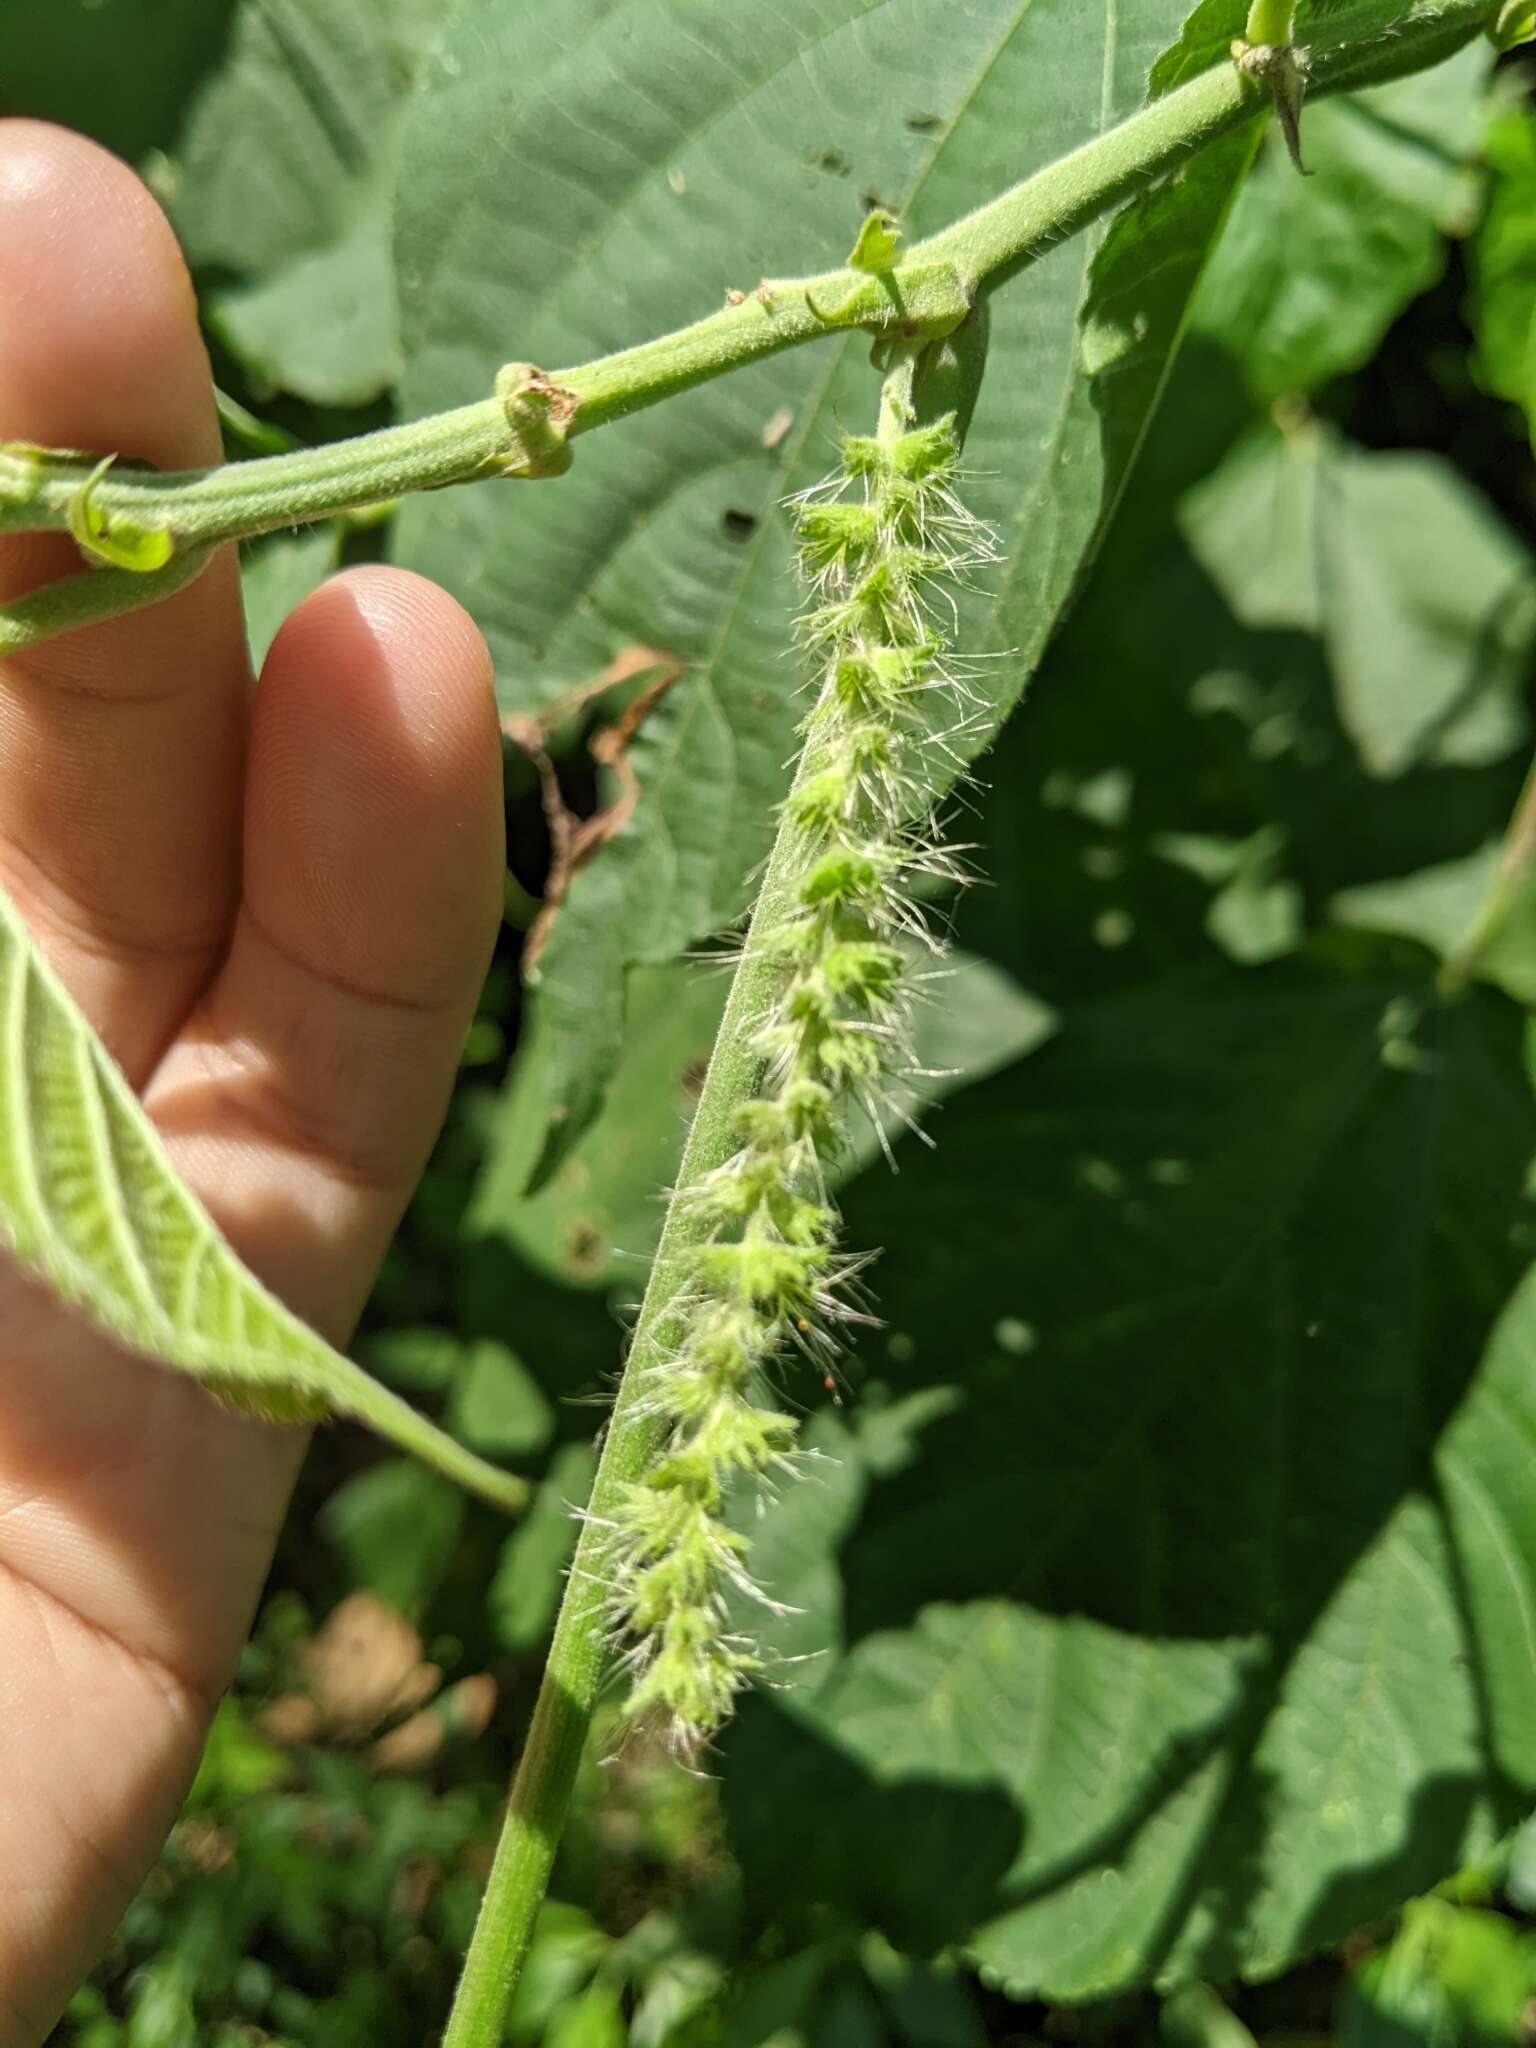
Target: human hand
x,y
276,906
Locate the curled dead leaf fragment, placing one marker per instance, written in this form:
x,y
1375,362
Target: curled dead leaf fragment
x,y
573,840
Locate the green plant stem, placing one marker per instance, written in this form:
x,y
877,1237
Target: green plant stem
x,y
1196,2017
86,600
1516,870
928,293
546,1772
980,251
1271,22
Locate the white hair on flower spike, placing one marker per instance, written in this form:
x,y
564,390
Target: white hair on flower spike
x,y
883,546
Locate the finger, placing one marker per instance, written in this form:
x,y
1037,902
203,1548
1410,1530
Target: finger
x,y
309,1085
120,746
300,1101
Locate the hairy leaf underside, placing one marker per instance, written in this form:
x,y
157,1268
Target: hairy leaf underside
x,y
578,183
90,1201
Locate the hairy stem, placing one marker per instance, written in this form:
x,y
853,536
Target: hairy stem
x,y
927,294
578,1658
1270,21
86,600
748,1052
1514,875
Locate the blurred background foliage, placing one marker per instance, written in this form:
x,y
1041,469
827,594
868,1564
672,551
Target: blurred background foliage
x,y
1160,1611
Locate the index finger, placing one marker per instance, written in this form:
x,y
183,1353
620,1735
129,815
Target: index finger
x,y
121,745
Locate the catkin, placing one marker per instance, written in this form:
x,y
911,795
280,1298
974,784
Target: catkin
x,y
881,547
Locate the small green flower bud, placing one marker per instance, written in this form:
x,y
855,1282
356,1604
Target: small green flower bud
x,y
778,1279
865,973
811,1001
864,456
844,874
658,1519
848,1060
804,1222
795,944
871,748
807,1107
830,535
691,1392
763,1124
925,452
691,1479
821,802
683,1578
693,1676
731,1194
727,1346
740,1438
899,574
871,686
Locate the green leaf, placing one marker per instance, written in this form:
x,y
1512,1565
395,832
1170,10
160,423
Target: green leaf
x,y
847,2018
1520,1878
238,1763
974,1021
284,175
597,1219
395,1525
424,1360
279,574
1195,2017
90,1202
1514,24
120,73
288,133
1435,906
1161,717
1452,1977
1207,39
678,2000
1256,915
928,2007
497,1406
1503,303
567,1947
1424,598
163,2012
594,2020
1313,271
775,2008
1200,1634
1438,906
668,131
531,1575
323,325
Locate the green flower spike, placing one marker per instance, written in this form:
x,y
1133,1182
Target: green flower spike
x,y
878,547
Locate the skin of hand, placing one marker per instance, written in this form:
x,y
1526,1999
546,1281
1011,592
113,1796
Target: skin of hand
x,y
275,902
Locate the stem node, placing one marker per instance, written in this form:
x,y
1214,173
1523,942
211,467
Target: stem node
x,y
539,412
1286,70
